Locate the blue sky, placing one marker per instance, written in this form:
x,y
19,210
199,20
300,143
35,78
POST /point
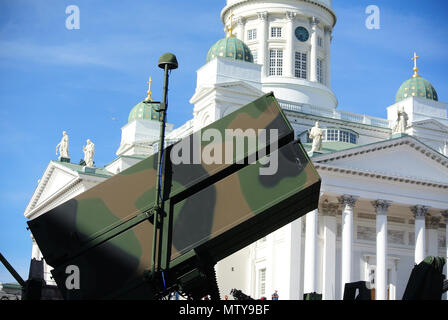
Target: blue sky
x,y
86,81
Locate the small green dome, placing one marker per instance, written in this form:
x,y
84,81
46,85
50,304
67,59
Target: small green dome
x,y
144,111
416,87
230,47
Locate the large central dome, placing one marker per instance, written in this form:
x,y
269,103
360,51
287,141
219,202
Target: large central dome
x,y
232,48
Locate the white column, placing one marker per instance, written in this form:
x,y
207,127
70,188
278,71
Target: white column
x,y
445,215
313,57
329,211
381,248
310,272
262,42
240,22
420,241
328,36
270,263
35,253
292,240
300,266
347,203
393,281
433,236
289,54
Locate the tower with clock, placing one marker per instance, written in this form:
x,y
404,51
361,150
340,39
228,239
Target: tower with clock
x,y
291,40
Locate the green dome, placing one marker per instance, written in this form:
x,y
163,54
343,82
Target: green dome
x,y
144,111
230,47
416,87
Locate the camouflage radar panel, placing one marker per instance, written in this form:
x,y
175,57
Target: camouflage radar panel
x,y
224,187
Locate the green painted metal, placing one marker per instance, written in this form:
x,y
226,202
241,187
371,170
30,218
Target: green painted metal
x,y
209,211
416,87
230,48
144,111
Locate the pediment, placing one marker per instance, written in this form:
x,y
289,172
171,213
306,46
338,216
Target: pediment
x,y
405,157
55,178
430,124
240,87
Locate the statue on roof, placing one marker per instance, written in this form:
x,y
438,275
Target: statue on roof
x,y
63,146
402,121
89,151
316,135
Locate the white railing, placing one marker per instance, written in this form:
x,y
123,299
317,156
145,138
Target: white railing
x,y
335,114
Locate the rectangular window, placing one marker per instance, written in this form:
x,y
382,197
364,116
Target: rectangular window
x,y
255,55
275,62
320,70
319,42
353,138
262,282
344,136
332,134
252,34
301,65
276,32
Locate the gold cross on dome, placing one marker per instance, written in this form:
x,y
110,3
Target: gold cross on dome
x,y
415,65
148,98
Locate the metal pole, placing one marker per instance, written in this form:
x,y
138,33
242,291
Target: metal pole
x,y
12,271
159,189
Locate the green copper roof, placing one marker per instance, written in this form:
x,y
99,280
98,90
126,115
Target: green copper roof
x,y
232,48
11,285
144,111
330,147
416,87
99,172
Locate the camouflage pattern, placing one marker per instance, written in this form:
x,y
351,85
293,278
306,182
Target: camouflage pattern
x,y
211,210
245,206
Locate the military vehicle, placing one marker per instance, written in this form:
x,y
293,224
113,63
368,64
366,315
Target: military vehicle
x,y
210,209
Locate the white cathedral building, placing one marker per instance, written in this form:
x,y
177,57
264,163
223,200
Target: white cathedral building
x,y
384,194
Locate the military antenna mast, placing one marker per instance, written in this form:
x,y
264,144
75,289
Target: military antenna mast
x,y
167,62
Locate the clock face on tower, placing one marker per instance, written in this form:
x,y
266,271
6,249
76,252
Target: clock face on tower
x,y
302,34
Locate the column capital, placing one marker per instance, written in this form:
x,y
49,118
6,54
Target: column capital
x,y
240,21
314,22
291,15
347,200
381,206
419,211
263,16
328,209
433,222
445,215
328,29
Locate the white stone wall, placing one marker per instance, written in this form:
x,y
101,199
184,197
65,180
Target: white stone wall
x,y
288,15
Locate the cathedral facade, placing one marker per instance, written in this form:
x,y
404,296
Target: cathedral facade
x,y
384,196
